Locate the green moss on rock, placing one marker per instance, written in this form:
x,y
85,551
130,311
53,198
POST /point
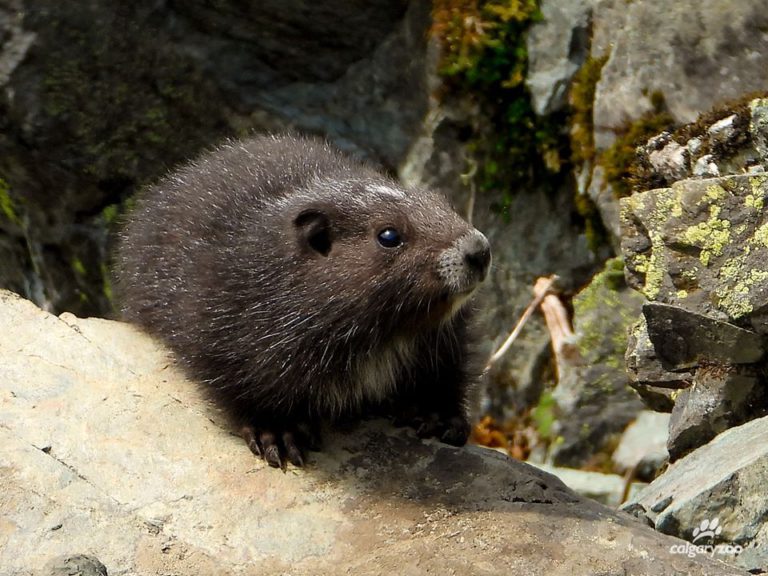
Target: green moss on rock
x,y
619,159
485,59
7,204
582,100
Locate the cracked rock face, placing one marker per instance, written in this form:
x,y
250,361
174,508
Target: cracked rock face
x,y
697,249
113,463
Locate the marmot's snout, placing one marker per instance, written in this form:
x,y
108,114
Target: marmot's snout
x,y
465,264
477,254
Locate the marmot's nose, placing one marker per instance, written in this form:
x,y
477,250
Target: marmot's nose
x,y
477,253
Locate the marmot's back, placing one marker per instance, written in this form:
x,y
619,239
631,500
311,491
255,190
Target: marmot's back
x,y
298,284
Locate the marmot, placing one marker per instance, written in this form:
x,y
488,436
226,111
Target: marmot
x,y
300,285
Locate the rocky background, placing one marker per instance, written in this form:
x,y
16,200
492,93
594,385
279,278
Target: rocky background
x,y
580,135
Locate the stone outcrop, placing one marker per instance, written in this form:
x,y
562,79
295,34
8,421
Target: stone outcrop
x,y
696,250
682,60
113,463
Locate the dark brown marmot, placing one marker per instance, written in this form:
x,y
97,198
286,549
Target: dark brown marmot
x,y
299,285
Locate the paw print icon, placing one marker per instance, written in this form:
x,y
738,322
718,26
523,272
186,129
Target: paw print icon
x,y
707,529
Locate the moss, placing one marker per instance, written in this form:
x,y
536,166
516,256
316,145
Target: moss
x,y
604,293
582,99
544,415
485,59
619,159
7,204
739,107
78,267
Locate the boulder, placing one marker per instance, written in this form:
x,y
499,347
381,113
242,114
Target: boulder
x,y
672,62
643,445
112,459
722,484
697,251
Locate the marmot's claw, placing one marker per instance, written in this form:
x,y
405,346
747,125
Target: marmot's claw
x,y
277,449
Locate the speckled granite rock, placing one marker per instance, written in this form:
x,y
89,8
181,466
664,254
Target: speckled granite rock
x,y
108,452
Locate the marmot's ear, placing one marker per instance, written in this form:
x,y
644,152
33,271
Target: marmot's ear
x,y
313,228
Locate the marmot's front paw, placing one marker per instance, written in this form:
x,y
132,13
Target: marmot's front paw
x,y
276,445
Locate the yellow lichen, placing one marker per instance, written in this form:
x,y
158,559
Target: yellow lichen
x,y
682,294
714,193
654,272
711,236
761,235
753,202
758,184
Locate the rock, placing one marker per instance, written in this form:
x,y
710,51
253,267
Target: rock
x,y
684,61
723,141
720,397
607,489
643,446
686,340
106,447
697,250
645,368
671,161
78,565
688,52
705,167
700,245
595,402
724,481
557,47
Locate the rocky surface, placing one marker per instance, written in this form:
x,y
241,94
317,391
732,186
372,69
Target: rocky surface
x,y
690,52
697,250
721,483
642,449
682,60
557,46
595,402
110,454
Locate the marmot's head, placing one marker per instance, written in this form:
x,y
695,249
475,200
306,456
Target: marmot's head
x,y
403,255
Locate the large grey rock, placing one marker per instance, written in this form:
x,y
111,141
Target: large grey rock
x,y
697,249
724,480
696,53
701,245
109,452
557,47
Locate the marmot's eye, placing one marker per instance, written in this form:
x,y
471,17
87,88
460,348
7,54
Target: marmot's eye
x,y
389,238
